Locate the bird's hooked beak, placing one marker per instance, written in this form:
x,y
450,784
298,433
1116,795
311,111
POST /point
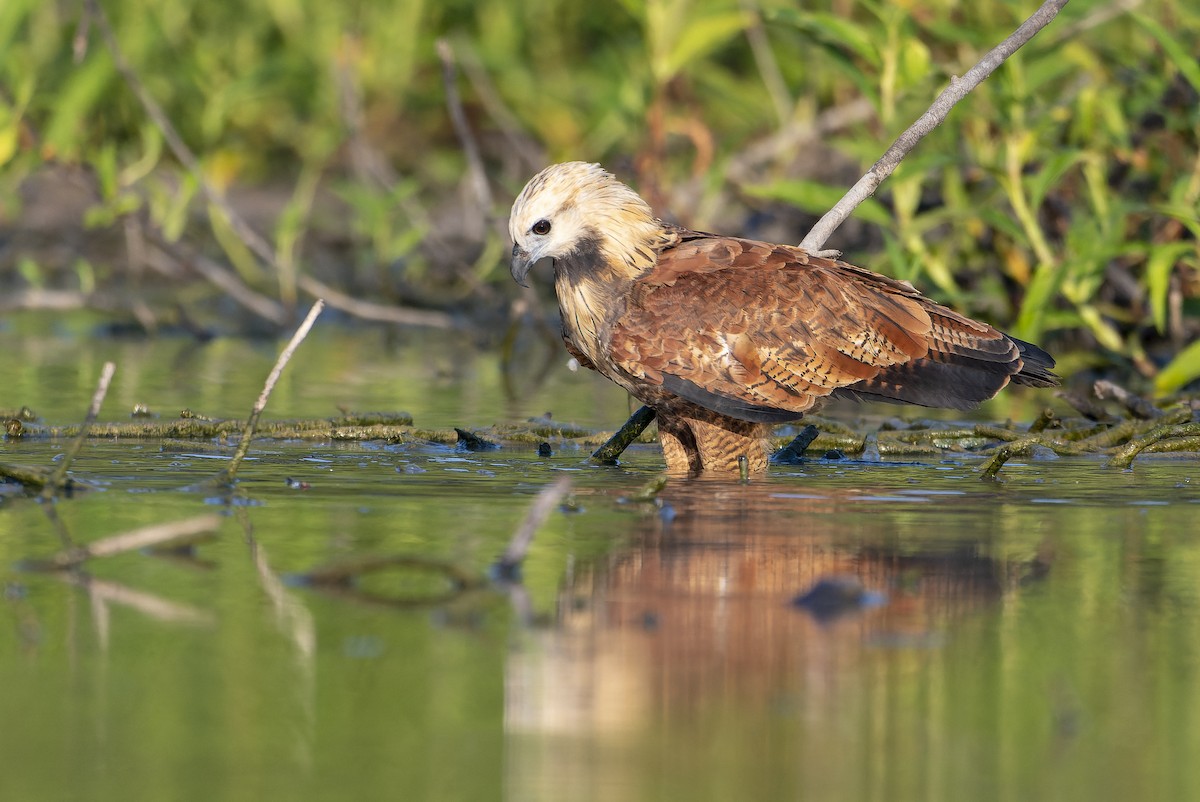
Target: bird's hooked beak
x,y
521,265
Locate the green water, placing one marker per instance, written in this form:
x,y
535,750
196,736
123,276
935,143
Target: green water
x,y
1039,638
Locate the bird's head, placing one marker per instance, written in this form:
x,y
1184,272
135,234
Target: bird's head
x,y
574,208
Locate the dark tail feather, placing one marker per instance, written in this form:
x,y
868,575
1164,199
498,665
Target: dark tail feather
x,y
1035,372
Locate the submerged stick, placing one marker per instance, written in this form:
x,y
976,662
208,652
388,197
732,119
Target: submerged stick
x,y
934,116
1128,452
36,478
145,537
243,446
105,592
57,478
1044,419
518,547
1002,455
629,432
793,452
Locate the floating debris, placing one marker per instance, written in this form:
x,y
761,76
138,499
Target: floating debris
x,y
793,452
473,442
835,596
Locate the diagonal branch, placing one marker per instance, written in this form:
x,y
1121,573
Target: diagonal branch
x,y
934,116
58,479
227,475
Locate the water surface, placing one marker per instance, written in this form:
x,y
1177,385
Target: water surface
x,y
1036,638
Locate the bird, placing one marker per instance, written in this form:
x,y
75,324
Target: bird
x,y
726,337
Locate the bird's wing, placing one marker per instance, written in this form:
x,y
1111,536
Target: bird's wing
x,y
763,332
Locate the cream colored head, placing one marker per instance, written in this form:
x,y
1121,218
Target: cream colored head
x,y
576,205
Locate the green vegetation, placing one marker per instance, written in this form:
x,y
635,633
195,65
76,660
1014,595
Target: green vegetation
x,y
1059,200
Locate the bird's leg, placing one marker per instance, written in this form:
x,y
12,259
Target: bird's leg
x,y
722,441
678,446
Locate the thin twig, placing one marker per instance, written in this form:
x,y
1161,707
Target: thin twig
x,y
60,473
243,446
1135,404
145,537
367,310
518,547
294,620
932,118
519,141
256,243
174,141
79,42
104,592
227,281
57,301
475,170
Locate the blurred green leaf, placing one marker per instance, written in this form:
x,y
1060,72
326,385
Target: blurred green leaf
x,y
1052,169
75,106
31,272
1159,266
1183,56
170,207
10,117
1038,298
832,30
817,198
914,65
1101,329
1180,371
699,37
239,255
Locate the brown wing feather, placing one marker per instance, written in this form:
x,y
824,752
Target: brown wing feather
x,y
764,332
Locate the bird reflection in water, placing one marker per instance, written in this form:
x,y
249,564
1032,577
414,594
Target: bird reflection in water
x,y
706,608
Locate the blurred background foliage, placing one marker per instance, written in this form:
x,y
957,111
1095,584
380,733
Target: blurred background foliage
x,y
1059,200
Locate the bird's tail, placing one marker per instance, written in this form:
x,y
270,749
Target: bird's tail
x,y
1036,368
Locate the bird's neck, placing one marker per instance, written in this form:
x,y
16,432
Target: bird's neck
x,y
590,294
593,282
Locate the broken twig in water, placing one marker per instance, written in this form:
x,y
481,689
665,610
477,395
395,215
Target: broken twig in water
x,y
518,547
243,447
1127,453
629,432
35,478
1136,405
57,479
145,537
793,452
342,578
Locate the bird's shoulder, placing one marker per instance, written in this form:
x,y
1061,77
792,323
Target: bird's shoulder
x,y
714,259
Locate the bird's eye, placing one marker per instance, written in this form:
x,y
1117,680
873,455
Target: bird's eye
x,y
541,227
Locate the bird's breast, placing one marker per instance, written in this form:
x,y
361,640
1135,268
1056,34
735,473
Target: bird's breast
x,y
589,310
